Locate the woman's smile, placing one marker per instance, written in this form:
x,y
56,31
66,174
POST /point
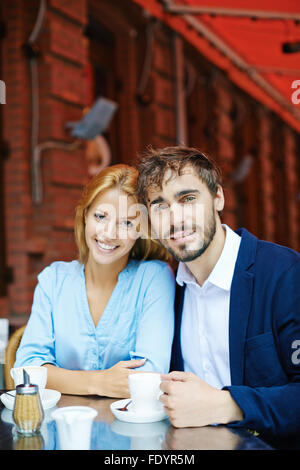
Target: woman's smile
x,y
104,247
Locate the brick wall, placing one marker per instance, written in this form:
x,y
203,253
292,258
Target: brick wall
x,y
63,97
265,175
224,139
17,211
292,188
39,234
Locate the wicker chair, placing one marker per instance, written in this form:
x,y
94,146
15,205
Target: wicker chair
x,y
10,356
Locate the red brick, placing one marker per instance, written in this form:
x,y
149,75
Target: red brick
x,y
66,80
224,124
229,218
76,9
4,307
69,167
230,199
56,114
225,149
164,122
162,59
163,91
66,39
224,98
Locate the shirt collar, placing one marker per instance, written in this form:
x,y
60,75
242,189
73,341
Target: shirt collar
x,y
222,274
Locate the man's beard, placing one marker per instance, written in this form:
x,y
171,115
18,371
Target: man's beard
x,y
184,253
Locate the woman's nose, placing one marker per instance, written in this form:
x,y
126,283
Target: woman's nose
x,y
110,230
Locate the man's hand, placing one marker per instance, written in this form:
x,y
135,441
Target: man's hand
x,y
191,402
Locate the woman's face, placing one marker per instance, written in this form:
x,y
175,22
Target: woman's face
x,y
110,227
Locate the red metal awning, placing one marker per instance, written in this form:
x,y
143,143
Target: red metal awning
x,y
245,39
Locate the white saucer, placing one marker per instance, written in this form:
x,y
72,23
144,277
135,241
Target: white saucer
x,y
144,430
49,398
130,416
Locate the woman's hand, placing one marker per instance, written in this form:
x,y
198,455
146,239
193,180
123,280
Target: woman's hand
x,y
113,382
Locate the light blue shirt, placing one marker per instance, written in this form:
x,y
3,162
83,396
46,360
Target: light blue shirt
x,y
138,321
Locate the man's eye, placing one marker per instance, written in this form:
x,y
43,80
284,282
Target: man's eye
x,y
189,199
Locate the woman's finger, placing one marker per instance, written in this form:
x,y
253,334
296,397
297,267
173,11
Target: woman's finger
x,y
133,363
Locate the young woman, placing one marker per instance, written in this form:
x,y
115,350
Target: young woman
x,y
108,314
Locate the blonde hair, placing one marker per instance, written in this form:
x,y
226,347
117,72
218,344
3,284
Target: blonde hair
x,y
125,178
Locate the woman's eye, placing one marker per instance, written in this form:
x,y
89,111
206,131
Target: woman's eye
x,y
99,216
127,223
160,207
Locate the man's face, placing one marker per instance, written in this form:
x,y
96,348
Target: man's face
x,y
183,214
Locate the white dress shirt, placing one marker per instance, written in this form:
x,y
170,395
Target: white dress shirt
x,y
205,317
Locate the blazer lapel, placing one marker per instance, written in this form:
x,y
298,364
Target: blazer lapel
x,y
240,305
177,360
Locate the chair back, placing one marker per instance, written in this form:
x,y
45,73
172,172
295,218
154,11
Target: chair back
x,y
10,356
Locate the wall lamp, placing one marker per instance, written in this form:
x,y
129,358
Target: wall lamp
x,y
291,47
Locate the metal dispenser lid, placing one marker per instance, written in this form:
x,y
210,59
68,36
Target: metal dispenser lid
x,y
26,388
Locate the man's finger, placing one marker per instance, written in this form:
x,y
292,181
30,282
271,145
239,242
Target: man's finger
x,y
176,375
174,384
164,399
168,386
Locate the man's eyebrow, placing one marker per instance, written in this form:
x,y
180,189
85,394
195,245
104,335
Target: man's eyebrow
x,y
184,192
177,195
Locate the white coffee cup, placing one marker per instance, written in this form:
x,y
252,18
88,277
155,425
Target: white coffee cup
x,y
37,375
145,393
74,426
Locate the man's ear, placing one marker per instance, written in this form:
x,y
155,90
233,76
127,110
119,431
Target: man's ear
x,y
219,201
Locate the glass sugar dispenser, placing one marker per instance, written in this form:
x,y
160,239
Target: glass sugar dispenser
x,y
28,413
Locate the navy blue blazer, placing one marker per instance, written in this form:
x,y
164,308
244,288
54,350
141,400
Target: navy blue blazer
x,y
264,336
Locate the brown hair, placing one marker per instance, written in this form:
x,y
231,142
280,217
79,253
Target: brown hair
x,y
154,163
123,177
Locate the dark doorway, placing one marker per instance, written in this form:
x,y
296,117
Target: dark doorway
x,y
103,80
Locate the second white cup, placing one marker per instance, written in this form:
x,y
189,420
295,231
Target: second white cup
x,y
37,374
74,426
145,393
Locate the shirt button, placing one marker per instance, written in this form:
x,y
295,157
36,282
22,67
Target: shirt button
x,y
206,365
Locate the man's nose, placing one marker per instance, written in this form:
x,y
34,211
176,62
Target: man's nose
x,y
176,215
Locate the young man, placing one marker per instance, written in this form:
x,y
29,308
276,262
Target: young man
x,y
236,349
